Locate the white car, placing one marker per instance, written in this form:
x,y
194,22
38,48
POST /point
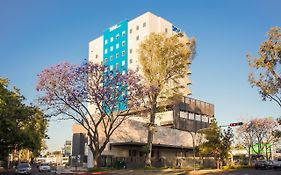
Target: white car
x,y
44,167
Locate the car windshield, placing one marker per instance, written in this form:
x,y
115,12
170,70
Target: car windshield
x,y
44,164
23,165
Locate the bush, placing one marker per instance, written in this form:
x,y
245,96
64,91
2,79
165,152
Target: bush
x,y
120,165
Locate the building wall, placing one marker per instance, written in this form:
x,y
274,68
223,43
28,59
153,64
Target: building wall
x,y
78,147
96,50
136,30
103,50
135,131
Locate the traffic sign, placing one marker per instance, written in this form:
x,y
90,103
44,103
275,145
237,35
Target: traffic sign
x,y
236,124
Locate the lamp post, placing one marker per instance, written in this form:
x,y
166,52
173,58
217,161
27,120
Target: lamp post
x,y
193,136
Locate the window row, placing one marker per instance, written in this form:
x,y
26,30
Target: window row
x,y
111,47
117,36
116,56
111,67
138,27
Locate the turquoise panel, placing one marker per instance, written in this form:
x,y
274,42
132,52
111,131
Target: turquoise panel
x,y
115,53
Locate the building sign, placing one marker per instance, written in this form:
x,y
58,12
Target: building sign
x,y
175,29
116,26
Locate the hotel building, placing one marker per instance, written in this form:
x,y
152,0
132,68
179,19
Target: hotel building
x,y
117,49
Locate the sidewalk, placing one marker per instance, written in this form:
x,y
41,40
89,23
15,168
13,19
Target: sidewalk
x,y
84,171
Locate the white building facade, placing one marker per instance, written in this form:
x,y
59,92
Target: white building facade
x,y
117,49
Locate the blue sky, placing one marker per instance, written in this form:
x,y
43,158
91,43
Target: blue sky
x,y
36,34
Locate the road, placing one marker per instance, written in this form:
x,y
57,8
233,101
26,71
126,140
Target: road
x,y
163,172
246,171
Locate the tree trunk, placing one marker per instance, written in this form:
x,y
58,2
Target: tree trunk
x,y
250,156
96,155
96,160
150,133
218,164
266,153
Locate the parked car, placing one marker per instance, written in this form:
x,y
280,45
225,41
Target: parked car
x,y
44,167
23,168
276,165
263,164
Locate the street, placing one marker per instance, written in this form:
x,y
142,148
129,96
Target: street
x,y
247,171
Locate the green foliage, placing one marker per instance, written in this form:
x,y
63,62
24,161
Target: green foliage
x,y
164,61
21,126
265,73
218,142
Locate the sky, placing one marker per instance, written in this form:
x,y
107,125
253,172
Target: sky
x,y
37,34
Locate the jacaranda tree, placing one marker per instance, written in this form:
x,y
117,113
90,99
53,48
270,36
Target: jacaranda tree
x,y
258,135
93,96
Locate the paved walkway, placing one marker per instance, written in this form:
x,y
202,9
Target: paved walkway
x,y
149,172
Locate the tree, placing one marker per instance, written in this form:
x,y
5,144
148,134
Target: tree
x,y
258,132
265,69
217,144
164,63
96,98
21,126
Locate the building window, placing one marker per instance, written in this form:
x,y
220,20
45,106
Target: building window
x,y
117,36
144,24
117,55
137,38
166,30
111,48
105,60
131,61
123,33
117,45
123,72
105,51
123,63
111,39
131,30
117,66
97,56
111,58
111,67
131,50
137,28
123,43
105,42
123,53
106,69
137,69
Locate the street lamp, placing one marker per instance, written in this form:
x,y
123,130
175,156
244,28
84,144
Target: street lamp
x,y
193,136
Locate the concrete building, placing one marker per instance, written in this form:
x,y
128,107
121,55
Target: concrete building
x,y
117,47
172,143
66,150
